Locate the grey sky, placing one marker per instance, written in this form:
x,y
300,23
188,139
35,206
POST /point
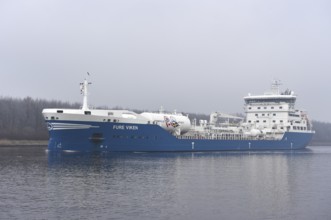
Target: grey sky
x,y
193,56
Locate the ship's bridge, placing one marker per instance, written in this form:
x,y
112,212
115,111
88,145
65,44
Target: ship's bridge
x,y
274,96
275,111
290,99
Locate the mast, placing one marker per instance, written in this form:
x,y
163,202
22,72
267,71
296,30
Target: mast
x,y
275,87
84,90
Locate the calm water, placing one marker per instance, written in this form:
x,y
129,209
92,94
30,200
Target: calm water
x,y
35,184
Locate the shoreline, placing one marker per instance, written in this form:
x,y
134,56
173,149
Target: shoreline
x,y
319,144
6,142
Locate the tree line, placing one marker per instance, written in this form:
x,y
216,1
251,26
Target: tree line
x,y
21,119
323,133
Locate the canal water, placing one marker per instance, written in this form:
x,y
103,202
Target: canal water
x,y
36,184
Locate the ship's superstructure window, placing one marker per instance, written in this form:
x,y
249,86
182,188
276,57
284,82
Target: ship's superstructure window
x,y
59,111
87,112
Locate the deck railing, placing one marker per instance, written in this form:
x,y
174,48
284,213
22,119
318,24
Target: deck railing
x,y
227,137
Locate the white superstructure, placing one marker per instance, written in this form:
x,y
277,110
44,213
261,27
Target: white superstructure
x,y
275,111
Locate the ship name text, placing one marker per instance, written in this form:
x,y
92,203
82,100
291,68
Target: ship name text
x,y
125,127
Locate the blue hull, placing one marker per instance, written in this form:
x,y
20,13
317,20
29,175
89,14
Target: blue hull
x,y
119,137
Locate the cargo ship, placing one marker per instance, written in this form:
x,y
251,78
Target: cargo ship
x,y
271,122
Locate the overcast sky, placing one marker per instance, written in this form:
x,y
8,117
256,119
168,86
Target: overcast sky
x,y
193,56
